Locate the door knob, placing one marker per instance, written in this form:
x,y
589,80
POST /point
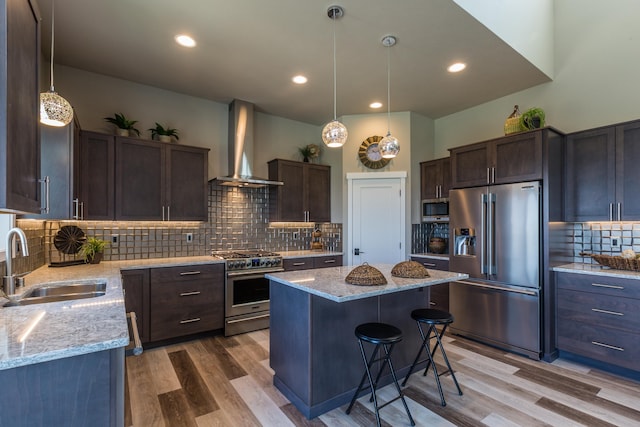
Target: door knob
x,y
357,251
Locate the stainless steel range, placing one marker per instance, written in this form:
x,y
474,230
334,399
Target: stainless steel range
x,y
247,290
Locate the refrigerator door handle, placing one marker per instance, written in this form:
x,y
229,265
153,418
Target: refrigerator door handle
x,y
497,288
483,235
490,233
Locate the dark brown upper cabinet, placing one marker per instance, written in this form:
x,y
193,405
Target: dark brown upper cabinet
x,y
20,188
305,195
513,158
131,179
435,178
602,174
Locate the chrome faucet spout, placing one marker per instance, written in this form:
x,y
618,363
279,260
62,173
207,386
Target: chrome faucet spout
x,y
9,282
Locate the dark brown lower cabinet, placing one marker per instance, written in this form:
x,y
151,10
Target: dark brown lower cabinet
x,y
171,302
598,317
307,263
438,294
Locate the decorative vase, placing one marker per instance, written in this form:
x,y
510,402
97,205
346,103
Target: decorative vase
x,y
96,258
122,132
306,160
164,138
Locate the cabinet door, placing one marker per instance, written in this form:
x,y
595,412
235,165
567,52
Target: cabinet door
x,y
19,97
627,171
96,193
187,189
135,284
430,177
590,175
318,192
140,180
445,168
517,158
287,201
469,165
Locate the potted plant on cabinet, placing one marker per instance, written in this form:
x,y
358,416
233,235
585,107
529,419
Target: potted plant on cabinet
x,y
125,127
93,250
309,152
163,134
533,118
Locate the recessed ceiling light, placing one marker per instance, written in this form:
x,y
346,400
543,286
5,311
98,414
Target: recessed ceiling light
x,y
299,79
375,104
184,40
457,67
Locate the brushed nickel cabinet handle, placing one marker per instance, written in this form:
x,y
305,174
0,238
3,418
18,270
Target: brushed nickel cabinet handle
x,y
298,264
330,261
428,264
186,294
189,273
432,303
197,319
615,313
600,285
612,347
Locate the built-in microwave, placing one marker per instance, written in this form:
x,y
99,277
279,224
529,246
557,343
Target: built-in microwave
x,y
435,210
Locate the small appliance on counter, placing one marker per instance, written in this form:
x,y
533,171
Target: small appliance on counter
x,y
316,244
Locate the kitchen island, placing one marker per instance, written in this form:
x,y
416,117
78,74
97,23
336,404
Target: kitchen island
x,y
313,349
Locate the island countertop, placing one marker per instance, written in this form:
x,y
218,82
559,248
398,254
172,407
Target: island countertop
x,y
330,282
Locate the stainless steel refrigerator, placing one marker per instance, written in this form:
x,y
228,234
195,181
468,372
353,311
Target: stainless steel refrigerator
x,y
495,239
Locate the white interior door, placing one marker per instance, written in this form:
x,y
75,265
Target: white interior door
x,y
376,218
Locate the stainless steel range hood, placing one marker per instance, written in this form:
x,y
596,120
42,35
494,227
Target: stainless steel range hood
x,y
241,148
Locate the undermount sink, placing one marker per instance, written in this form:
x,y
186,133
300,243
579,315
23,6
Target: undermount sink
x,y
60,292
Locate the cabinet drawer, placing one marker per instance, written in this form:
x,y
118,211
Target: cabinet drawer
x,y
183,308
327,261
187,273
439,297
433,263
600,343
291,264
604,310
601,285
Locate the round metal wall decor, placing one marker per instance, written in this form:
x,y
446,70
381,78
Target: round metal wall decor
x,y
369,153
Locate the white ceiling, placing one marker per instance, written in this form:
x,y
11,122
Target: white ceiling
x,y
250,49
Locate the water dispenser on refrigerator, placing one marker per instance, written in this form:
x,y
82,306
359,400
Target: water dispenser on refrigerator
x,y
464,242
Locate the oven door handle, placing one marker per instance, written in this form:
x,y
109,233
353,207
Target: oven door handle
x,y
253,274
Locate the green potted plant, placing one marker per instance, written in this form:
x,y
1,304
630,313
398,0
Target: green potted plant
x,y
124,125
309,152
163,134
533,118
93,250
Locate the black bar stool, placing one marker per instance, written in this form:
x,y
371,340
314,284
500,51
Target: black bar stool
x,y
380,334
433,318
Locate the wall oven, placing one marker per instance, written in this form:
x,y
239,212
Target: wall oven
x,y
247,290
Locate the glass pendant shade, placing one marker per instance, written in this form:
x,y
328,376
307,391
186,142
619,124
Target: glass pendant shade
x,y
334,134
389,146
54,109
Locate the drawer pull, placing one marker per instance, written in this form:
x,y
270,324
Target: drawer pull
x,y
597,310
189,273
186,294
197,319
330,261
428,264
612,347
600,285
298,264
432,303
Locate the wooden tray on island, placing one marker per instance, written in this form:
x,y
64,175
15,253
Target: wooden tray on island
x,y
616,262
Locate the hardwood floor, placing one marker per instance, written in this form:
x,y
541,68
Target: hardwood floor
x,y
218,381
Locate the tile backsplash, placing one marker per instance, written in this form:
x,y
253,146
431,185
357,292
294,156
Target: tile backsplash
x,y
420,234
238,219
598,238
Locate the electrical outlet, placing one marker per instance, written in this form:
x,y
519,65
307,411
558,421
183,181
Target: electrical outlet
x,y
615,242
296,235
114,239
189,237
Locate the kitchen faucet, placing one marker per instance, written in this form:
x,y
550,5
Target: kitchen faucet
x,y
9,282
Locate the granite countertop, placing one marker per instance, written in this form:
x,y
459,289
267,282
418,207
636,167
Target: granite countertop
x,y
597,270
307,254
42,332
329,282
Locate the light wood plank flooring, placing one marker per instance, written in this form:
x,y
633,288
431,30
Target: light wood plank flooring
x,y
218,381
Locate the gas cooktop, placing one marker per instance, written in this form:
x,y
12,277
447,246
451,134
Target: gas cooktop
x,y
250,260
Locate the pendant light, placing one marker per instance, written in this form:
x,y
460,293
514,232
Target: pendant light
x,y
54,109
334,133
389,145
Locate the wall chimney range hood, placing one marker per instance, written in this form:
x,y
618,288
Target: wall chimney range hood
x,y
241,148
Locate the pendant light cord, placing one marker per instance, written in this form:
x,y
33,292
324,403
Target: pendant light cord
x,y
388,90
335,115
52,41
